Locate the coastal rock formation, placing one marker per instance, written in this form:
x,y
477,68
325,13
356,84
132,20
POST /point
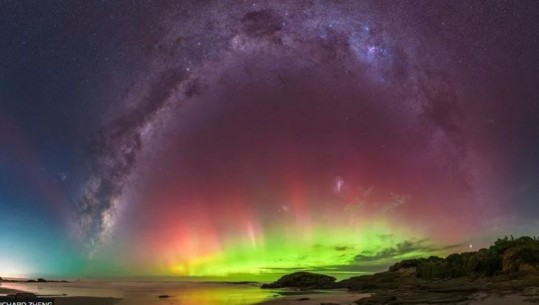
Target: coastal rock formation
x,y
22,296
506,256
509,266
515,261
304,280
383,280
39,280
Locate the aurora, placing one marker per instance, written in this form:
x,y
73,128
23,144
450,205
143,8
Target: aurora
x,y
249,139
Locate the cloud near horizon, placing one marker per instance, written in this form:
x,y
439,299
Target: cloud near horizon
x,y
404,249
378,260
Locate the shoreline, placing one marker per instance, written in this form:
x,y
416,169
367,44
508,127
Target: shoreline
x,y
334,297
351,298
6,291
325,296
58,299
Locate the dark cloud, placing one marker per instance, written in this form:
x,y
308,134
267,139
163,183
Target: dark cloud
x,y
421,246
343,248
115,150
377,261
261,23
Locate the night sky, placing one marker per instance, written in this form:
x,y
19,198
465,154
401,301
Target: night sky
x,y
230,138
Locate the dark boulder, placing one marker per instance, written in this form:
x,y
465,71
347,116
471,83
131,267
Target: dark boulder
x,y
377,281
22,296
305,280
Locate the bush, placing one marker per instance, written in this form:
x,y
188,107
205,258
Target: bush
x,y
489,265
508,253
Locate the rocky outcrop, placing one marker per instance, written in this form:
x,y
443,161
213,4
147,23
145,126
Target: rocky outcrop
x,y
511,262
514,262
22,296
506,256
303,280
510,266
382,280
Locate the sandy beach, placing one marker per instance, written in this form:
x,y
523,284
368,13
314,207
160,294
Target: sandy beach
x,y
63,300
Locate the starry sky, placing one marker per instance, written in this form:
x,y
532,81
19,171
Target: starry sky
x,y
247,138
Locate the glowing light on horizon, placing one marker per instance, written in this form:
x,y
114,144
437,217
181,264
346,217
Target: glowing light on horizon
x,y
12,269
280,247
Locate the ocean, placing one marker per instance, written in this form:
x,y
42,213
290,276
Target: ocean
x,y
147,292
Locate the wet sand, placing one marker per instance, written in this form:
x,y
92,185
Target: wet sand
x,y
85,301
332,297
346,298
5,291
68,300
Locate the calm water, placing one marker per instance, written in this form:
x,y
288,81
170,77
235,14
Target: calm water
x,y
182,293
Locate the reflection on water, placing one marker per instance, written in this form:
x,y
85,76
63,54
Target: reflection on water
x,y
138,293
69,289
215,295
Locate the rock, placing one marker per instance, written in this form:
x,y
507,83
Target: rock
x,y
164,296
417,297
303,280
510,263
407,264
530,291
303,299
528,268
509,267
532,300
452,300
22,296
40,280
377,299
514,262
382,280
411,271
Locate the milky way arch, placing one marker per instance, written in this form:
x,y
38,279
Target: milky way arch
x,y
342,101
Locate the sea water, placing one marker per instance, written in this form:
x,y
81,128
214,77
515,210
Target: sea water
x,y
148,292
